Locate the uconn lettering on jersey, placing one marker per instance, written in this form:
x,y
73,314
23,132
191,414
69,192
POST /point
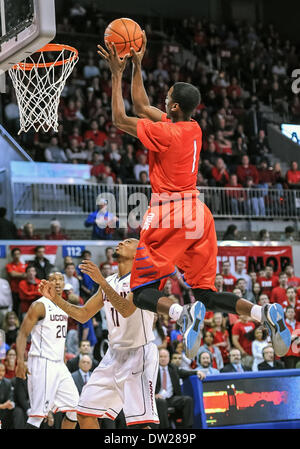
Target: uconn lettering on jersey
x,y
58,318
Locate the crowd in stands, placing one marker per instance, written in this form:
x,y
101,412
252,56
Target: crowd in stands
x,y
237,68
230,343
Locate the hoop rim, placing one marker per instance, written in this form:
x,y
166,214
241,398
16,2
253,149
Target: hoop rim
x,y
48,47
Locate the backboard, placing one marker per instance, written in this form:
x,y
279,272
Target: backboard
x,y
26,26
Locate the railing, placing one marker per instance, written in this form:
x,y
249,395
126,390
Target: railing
x,y
79,198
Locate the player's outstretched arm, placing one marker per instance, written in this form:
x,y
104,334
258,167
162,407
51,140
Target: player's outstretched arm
x,y
139,97
117,66
80,313
124,306
35,313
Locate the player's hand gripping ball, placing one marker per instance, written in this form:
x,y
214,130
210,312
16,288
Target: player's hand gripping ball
x,y
124,33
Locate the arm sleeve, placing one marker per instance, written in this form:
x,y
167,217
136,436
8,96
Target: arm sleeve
x,y
156,136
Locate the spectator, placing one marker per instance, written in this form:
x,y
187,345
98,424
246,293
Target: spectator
x,y
229,279
263,299
7,404
279,293
111,259
82,375
256,290
264,236
240,272
168,393
246,294
293,176
29,289
70,277
6,301
160,333
27,233
293,355
11,326
221,335
41,263
255,203
293,281
176,361
260,341
219,282
53,153
231,233
10,363
21,397
205,364
269,281
245,170
240,338
102,220
99,137
16,272
84,349
235,195
235,364
4,347
219,173
8,230
260,147
90,70
208,345
269,362
292,301
288,234
87,285
142,165
56,234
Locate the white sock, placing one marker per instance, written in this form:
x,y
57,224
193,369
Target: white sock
x,y
35,421
175,311
256,313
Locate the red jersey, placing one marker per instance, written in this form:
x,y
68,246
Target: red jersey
x,y
293,177
19,268
229,282
241,329
267,284
99,137
295,347
294,281
285,304
28,293
221,337
174,153
278,295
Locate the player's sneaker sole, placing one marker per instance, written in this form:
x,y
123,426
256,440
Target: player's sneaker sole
x,y
273,319
190,320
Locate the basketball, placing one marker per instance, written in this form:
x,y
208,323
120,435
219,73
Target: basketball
x,y
124,33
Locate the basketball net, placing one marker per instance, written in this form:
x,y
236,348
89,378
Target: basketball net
x,y
39,83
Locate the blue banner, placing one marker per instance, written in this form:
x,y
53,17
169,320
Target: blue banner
x,y
2,251
72,250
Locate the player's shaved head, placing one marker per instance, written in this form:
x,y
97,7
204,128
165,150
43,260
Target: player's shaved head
x,y
187,96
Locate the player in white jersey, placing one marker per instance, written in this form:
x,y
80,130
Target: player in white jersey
x,y
126,376
50,384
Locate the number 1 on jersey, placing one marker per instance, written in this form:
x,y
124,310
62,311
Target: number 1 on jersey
x,y
115,317
195,154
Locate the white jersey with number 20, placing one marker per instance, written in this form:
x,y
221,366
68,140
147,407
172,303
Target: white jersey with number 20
x,y
48,336
131,332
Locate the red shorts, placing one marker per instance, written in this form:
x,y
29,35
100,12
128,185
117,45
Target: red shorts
x,y
180,233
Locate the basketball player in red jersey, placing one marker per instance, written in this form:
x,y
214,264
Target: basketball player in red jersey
x,y
178,229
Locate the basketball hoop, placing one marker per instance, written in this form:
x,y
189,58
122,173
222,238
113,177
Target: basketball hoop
x,y
39,82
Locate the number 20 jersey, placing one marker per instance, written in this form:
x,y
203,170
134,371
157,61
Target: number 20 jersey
x,y
131,332
48,335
